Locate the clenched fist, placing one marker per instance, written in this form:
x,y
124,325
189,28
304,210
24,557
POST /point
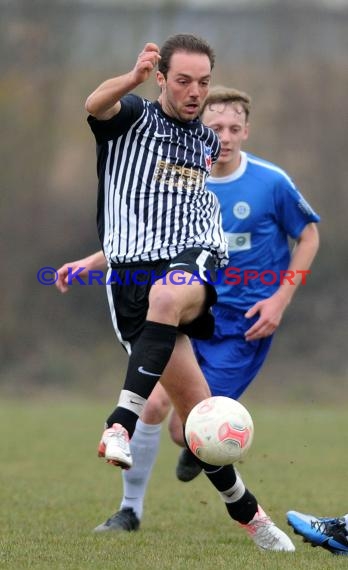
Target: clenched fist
x,y
146,62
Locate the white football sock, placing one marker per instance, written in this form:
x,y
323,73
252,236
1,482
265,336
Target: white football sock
x,y
144,447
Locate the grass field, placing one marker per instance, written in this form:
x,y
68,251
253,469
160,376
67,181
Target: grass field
x,y
54,490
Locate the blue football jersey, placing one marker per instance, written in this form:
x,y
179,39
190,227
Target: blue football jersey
x,y
261,208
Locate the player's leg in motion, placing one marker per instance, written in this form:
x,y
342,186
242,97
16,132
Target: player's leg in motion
x,y
144,448
169,306
241,504
149,357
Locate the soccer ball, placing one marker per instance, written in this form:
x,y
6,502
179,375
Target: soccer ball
x,y
219,430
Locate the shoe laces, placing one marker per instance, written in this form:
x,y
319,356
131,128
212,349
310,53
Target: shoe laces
x,y
260,520
262,528
330,527
120,434
259,524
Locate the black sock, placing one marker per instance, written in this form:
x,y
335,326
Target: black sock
x,y
150,355
244,509
224,478
221,477
126,418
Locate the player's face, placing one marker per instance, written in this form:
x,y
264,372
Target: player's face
x,y
186,85
228,120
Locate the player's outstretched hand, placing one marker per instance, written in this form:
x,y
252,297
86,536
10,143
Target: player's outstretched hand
x,y
66,275
80,268
62,280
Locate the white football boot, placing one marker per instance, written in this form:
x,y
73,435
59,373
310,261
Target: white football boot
x,y
266,535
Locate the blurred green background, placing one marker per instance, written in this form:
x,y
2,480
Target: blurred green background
x,y
292,59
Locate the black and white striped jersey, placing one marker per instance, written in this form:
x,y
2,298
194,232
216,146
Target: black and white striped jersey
x,y
152,200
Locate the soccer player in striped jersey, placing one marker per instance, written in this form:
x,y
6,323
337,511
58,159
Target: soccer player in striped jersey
x,y
155,216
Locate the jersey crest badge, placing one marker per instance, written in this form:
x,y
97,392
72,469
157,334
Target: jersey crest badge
x,y
241,210
207,156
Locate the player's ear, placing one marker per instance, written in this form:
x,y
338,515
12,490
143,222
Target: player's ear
x,y
160,79
246,132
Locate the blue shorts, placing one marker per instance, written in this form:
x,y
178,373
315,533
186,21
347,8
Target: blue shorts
x,y
228,361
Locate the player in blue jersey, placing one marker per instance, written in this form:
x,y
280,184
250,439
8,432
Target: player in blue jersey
x,y
330,533
145,441
261,209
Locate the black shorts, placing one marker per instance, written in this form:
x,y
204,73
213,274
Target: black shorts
x,y
128,288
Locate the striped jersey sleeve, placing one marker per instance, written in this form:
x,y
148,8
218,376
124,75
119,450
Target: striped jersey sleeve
x,y
152,200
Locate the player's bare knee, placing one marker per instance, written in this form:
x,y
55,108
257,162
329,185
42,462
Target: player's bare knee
x,y
163,306
156,409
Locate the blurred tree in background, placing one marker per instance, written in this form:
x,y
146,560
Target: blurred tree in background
x,y
291,58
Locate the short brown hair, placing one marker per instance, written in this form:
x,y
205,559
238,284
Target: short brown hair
x,y
221,94
183,42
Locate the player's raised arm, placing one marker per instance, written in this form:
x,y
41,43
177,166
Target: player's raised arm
x,y
104,102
